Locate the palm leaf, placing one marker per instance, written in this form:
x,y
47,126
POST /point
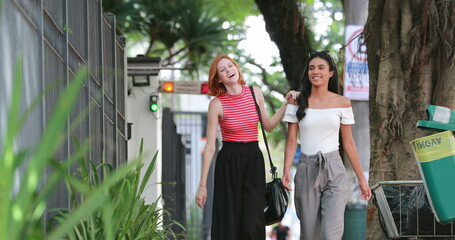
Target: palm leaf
x,y
94,201
7,158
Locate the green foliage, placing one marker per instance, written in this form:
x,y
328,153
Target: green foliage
x,y
127,15
317,13
201,32
233,10
124,214
23,198
178,31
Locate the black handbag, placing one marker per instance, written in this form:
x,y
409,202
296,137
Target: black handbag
x,y
276,196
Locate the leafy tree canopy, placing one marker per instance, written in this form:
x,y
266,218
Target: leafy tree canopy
x,y
182,31
234,10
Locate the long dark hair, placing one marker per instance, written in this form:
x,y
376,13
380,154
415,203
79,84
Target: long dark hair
x,y
305,91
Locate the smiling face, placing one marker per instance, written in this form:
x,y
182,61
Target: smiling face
x,y
227,72
319,72
220,69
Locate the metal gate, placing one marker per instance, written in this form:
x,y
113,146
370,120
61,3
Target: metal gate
x,y
191,128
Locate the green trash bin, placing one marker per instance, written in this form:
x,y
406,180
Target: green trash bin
x,y
435,155
355,222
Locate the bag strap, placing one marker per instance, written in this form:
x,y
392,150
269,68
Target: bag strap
x,y
272,167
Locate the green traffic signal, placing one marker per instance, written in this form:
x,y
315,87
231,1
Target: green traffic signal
x,y
154,107
154,103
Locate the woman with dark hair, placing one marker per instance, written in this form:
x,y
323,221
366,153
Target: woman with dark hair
x,y
321,186
239,187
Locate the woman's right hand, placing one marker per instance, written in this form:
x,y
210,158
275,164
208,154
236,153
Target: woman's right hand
x,y
201,196
365,189
286,181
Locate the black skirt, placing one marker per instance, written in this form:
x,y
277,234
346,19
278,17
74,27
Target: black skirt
x,y
239,193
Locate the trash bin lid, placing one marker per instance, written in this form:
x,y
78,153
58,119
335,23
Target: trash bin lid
x,y
435,126
439,119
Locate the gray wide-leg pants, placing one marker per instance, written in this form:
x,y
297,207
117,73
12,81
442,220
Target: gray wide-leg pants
x,y
320,196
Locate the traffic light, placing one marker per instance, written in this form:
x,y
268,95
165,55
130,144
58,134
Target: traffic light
x,y
154,103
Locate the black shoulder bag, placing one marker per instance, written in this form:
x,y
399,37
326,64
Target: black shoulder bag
x,y
276,197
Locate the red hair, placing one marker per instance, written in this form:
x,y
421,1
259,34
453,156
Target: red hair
x,y
215,87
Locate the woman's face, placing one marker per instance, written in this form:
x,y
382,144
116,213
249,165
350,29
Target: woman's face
x,y
319,72
227,72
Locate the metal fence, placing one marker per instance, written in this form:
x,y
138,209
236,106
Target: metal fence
x,y
190,127
173,173
55,38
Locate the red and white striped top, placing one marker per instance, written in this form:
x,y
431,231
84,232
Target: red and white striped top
x,y
240,118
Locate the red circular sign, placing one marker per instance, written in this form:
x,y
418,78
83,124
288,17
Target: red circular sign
x,y
353,49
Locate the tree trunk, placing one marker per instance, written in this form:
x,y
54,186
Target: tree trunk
x,y
411,57
285,25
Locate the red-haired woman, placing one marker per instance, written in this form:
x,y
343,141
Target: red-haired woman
x,y
239,187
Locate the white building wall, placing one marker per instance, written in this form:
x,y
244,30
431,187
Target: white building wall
x,y
146,126
194,103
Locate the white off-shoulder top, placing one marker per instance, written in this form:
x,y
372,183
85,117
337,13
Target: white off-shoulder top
x,y
319,129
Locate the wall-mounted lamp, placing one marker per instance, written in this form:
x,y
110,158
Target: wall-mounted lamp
x,y
142,70
140,80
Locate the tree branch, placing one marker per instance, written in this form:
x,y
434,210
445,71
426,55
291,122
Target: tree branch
x,y
167,61
286,28
264,77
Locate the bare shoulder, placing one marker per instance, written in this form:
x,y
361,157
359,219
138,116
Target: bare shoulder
x,y
258,93
215,106
343,101
257,90
214,103
340,101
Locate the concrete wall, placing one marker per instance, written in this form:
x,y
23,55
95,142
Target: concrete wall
x,y
146,126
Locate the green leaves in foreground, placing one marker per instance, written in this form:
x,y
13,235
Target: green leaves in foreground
x,y
23,194
123,214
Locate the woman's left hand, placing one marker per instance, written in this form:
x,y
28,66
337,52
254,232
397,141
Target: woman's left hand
x,y
291,97
366,191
